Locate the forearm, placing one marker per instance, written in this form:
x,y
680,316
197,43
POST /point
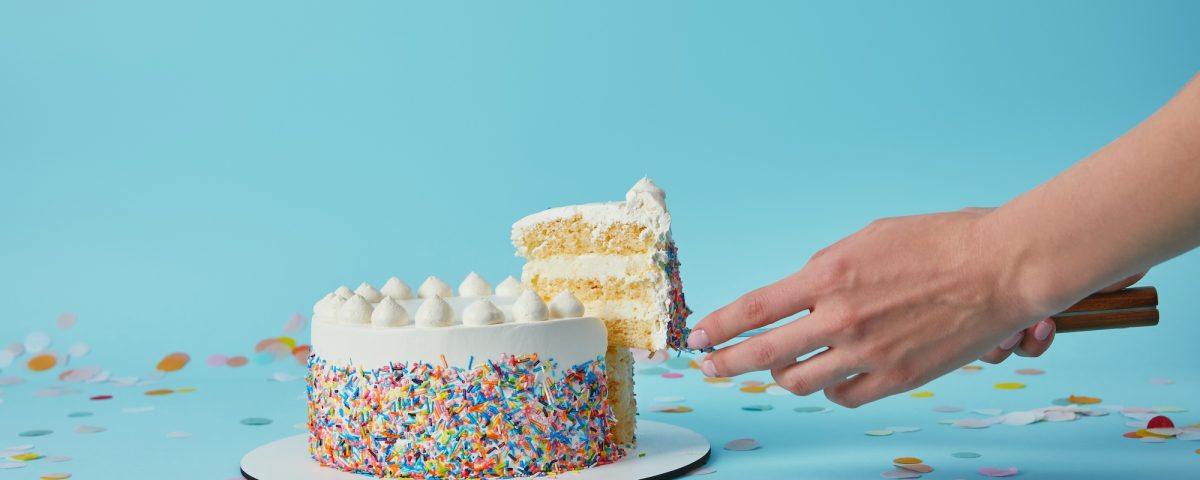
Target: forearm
x,y
1131,205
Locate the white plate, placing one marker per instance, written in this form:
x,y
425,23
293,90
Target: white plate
x,y
669,451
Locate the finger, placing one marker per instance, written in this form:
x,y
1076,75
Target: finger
x,y
758,308
774,348
857,391
977,210
1037,339
1123,283
1005,348
814,373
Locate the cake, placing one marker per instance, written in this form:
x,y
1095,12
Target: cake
x,y
483,384
620,260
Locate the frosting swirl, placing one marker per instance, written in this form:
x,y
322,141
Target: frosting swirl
x,y
529,308
434,287
368,292
510,287
356,310
474,286
435,312
482,312
389,314
565,305
396,289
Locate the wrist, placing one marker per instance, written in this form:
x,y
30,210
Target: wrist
x,y
1029,282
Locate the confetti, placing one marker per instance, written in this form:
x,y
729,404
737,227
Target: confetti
x,y
672,375
35,433
904,429
79,414
56,476
703,471
301,354
677,409
917,467
1030,371
296,323
965,455
141,409
79,350
11,380
898,473
42,362
813,409
11,465
66,320
777,390
878,433
971,423
255,421
991,412
947,409
906,460
79,375
754,389
1083,400
669,399
1009,385
1168,409
970,369
179,434
742,445
717,380
1153,440
58,459
998,472
100,397
238,361
159,392
89,429
173,362
26,457
6,358
922,394
216,360
758,408
36,342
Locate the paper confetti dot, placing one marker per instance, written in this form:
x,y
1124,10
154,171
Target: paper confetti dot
x,y
1009,385
758,408
79,414
878,433
904,429
947,409
898,473
256,421
672,375
970,423
56,476
179,434
42,362
965,455
703,471
11,465
1153,440
1030,371
906,460
173,362
216,360
238,361
296,323
89,429
669,399
813,409
100,397
141,409
1083,400
676,409
59,459
917,467
301,354
36,342
66,321
717,380
158,392
1168,409
6,358
11,380
998,472
35,433
26,457
971,368
991,412
742,445
921,394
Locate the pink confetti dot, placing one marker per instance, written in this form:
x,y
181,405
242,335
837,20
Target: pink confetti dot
x,y
998,472
672,375
216,360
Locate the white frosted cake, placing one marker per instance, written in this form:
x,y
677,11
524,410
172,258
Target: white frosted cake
x,y
477,385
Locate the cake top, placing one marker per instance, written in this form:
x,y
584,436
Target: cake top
x,y
645,204
435,306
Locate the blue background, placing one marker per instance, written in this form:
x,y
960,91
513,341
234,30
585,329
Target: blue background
x,y
185,176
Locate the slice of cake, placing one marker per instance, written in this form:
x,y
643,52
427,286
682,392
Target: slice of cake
x,y
479,385
619,258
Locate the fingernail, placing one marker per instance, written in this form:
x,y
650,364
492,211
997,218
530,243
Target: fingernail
x,y
1012,340
1043,330
708,368
698,339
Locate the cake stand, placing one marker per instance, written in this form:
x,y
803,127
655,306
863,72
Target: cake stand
x,y
663,451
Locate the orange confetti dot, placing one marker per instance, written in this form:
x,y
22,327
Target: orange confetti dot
x,y
693,365
754,389
43,362
161,391
922,394
173,362
1198,451
717,380
237,361
300,353
1082,400
906,461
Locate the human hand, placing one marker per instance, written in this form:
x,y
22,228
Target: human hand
x,y
897,303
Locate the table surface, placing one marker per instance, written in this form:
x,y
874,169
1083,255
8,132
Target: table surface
x,y
200,433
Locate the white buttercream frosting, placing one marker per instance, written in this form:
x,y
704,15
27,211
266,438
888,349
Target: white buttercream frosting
x,y
344,292
565,305
396,289
326,309
530,308
434,286
510,287
389,314
645,194
474,286
482,312
368,292
434,312
645,205
356,310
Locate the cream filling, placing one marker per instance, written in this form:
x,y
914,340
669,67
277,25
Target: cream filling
x,y
593,265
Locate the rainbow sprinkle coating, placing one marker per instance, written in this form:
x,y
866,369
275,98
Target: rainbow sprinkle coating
x,y
518,416
677,329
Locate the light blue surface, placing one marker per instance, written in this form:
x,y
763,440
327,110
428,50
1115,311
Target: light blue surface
x,y
187,176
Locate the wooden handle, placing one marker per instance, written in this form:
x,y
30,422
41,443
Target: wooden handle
x,y
1131,307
